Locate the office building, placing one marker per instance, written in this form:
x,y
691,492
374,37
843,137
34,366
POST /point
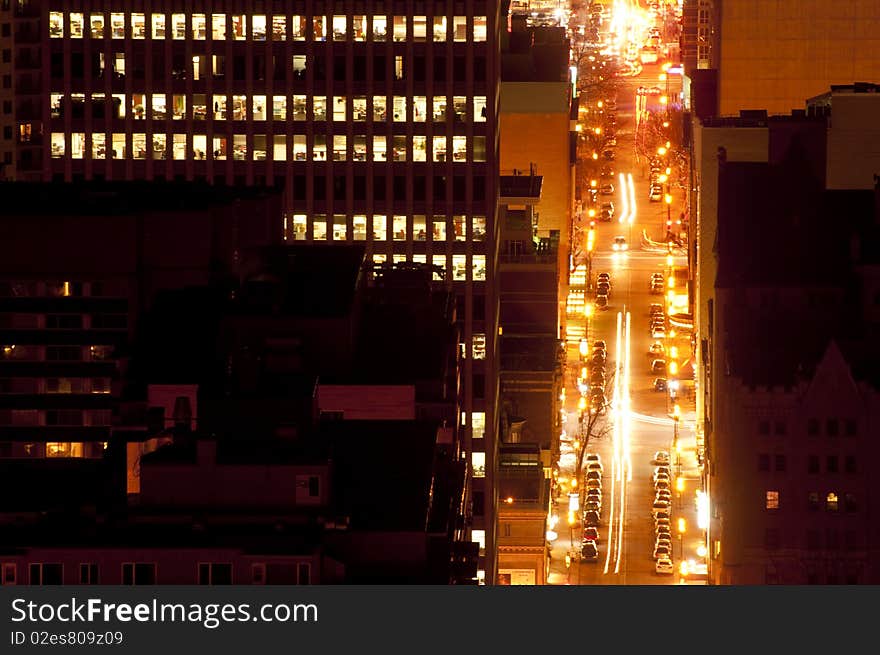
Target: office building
x,y
377,120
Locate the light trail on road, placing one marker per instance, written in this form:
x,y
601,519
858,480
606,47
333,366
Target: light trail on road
x,y
632,198
624,197
616,460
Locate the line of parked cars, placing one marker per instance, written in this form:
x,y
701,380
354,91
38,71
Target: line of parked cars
x,y
592,508
662,514
596,365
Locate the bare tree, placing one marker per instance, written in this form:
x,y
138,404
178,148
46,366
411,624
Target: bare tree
x,y
592,425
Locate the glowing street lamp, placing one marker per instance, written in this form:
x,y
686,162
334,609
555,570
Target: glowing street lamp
x,y
668,198
593,184
661,151
598,131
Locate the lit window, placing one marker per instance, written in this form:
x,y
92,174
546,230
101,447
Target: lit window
x,y
420,109
117,26
139,145
420,148
239,147
459,268
479,228
399,227
479,28
440,28
158,22
479,109
179,146
419,227
279,28
478,463
832,503
178,107
339,145
57,145
398,67
380,28
420,28
239,27
99,145
439,108
478,424
340,228
56,25
479,266
279,108
199,27
64,449
259,147
339,108
299,107
319,149
159,106
298,28
138,26
459,225
200,108
218,148
319,228
319,108
380,259
219,107
459,104
359,227
319,28
359,147
398,148
772,500
359,108
259,107
339,28
299,227
479,346
76,26
380,228
479,148
359,27
200,147
258,27
459,148
118,145
399,109
218,27
459,28
439,148
97,26
178,26
379,108
400,28
439,229
439,264
300,149
160,145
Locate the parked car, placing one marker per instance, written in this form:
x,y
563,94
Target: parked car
x,y
661,457
600,344
658,367
663,566
657,348
660,384
589,552
591,533
591,518
606,189
658,332
602,302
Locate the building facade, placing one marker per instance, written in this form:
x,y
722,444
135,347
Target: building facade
x,y
378,120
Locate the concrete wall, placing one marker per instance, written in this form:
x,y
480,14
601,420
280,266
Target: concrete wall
x,y
774,55
854,140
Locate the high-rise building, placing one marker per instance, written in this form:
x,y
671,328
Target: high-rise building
x,y
378,120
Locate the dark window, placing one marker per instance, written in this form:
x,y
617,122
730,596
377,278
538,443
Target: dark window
x,y
5,29
850,427
852,578
831,427
138,574
299,187
479,503
77,64
813,501
780,462
56,64
259,67
764,427
215,574
360,67
238,67
303,574
379,69
814,540
88,574
458,188
832,539
479,386
850,540
379,187
7,81
7,56
279,72
779,427
813,464
339,187
419,188
339,69
850,464
158,63
479,69
850,503
137,65
479,188
7,132
314,486
63,353
320,67
831,464
763,462
771,538
360,187
439,69
46,574
419,69
459,69
399,187
813,426
439,187
479,308
64,321
812,577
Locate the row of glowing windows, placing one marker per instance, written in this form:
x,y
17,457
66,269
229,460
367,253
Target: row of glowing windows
x,y
296,228
459,265
276,28
220,148
159,106
71,449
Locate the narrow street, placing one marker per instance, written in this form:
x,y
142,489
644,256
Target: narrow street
x,y
639,420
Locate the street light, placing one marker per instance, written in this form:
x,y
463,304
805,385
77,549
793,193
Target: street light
x,y
679,487
682,527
